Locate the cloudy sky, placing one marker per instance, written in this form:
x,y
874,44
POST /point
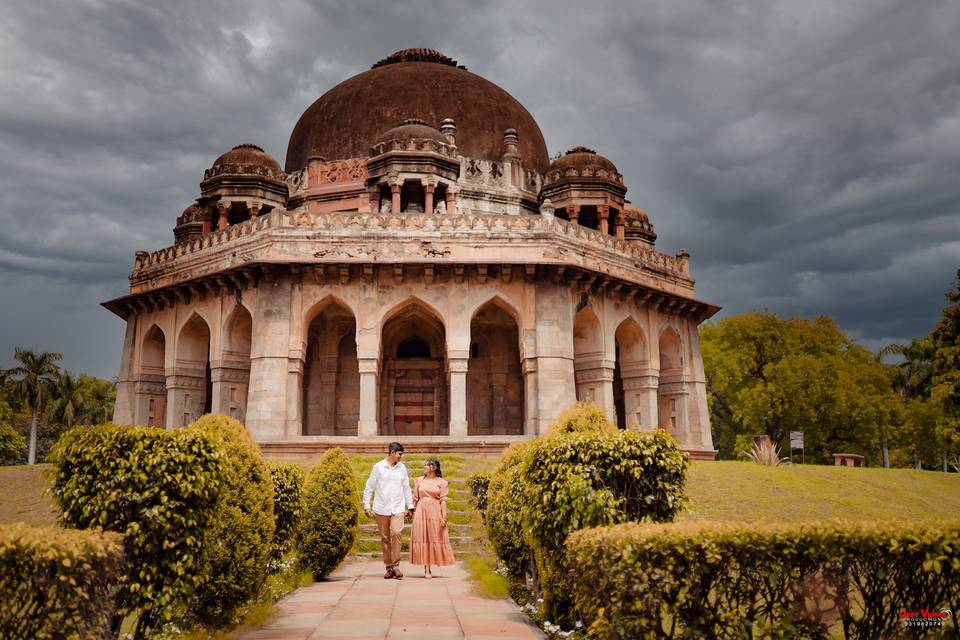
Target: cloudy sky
x,y
807,154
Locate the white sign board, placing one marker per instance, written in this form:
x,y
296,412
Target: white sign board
x,y
796,439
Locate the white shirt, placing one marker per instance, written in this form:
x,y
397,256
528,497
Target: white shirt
x,y
390,489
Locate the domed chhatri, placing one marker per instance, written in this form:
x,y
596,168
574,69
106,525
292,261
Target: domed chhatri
x,y
419,270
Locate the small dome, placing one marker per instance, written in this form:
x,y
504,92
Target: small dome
x,y
193,213
638,226
247,155
412,129
581,158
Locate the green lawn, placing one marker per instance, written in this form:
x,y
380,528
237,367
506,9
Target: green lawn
x,y
726,491
748,492
23,497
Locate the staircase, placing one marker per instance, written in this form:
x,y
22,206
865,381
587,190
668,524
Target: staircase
x,y
463,521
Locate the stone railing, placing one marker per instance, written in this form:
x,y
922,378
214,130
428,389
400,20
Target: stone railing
x,y
362,222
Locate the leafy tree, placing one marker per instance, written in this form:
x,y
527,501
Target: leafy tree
x,y
912,381
68,404
770,375
33,379
99,398
11,442
946,373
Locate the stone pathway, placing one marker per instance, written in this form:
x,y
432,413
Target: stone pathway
x,y
356,602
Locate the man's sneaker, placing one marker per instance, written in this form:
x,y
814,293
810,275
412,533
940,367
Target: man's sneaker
x,y
397,574
389,574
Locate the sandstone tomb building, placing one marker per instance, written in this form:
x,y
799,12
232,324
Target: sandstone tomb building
x,y
419,269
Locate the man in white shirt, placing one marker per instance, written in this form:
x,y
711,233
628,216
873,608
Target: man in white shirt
x,y
389,489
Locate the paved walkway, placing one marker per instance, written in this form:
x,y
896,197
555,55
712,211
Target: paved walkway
x,y
356,602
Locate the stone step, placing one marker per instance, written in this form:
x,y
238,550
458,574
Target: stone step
x,y
455,529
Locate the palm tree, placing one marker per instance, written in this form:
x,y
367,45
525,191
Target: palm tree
x,y
913,377
99,399
33,379
68,401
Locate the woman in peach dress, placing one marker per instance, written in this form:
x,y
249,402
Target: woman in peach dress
x,y
429,542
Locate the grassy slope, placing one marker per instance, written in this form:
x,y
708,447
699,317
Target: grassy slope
x,y
718,491
23,497
745,491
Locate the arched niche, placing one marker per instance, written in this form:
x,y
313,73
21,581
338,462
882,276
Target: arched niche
x,y
414,389
495,395
588,356
331,375
631,368
231,378
151,384
671,391
192,382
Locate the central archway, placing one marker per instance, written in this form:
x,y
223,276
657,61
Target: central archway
x,y
494,377
414,391
331,375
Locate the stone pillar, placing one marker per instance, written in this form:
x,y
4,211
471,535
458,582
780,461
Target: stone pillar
x,y
529,369
595,384
230,381
621,225
428,189
375,200
186,395
222,210
123,408
458,396
254,208
267,402
603,213
699,412
395,186
640,397
556,389
206,221
573,212
369,371
451,200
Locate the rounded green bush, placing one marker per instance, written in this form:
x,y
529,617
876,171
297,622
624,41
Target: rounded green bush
x,y
287,504
589,478
581,417
504,498
479,484
238,541
158,488
57,583
331,507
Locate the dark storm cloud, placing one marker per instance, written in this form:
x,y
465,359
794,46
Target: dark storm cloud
x,y
806,154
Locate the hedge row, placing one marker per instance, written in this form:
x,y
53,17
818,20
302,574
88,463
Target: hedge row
x,y
155,487
581,473
287,505
746,580
57,584
331,510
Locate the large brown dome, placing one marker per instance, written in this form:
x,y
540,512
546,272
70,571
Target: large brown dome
x,y
415,83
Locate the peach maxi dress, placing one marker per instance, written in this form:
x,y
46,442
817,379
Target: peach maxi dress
x,y
429,542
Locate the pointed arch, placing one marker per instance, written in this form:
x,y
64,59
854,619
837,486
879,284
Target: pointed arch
x,y
414,388
192,383
632,363
588,356
495,393
671,352
671,388
231,377
331,374
151,386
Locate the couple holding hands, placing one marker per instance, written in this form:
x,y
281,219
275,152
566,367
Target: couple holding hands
x,y
389,489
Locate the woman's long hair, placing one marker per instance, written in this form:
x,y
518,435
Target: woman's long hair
x,y
436,467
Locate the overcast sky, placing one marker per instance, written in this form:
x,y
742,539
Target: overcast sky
x,y
807,154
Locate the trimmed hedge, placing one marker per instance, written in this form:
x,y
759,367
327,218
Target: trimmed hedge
x,y
574,480
813,580
504,501
479,484
157,488
581,417
287,480
237,543
58,584
331,510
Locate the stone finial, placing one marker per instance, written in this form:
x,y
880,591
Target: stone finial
x,y
510,142
547,209
449,129
683,254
